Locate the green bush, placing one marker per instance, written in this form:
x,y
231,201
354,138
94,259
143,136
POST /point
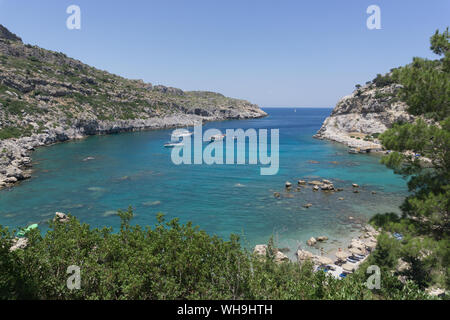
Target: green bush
x,y
169,261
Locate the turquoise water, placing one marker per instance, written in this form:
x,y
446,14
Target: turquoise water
x,y
134,169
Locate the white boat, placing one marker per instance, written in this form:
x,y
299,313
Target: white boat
x,y
217,137
173,144
181,135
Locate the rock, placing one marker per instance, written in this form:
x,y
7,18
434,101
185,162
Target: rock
x,y
308,205
322,238
277,195
311,242
315,183
324,181
340,198
298,189
301,182
327,187
303,255
316,188
354,185
340,189
280,257
355,191
374,192
260,249
61,217
368,110
19,243
288,184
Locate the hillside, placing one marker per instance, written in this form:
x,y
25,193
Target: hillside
x,y
46,97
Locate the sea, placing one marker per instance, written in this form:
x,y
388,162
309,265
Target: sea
x,y
94,177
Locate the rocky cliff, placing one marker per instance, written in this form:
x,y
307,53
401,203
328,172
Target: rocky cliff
x,y
358,118
47,97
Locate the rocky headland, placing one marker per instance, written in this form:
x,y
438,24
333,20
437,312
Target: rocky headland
x,y
47,97
359,118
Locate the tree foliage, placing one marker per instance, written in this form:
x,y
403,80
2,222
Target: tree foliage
x,y
421,152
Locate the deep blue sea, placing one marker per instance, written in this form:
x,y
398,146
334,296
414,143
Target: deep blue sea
x,y
135,169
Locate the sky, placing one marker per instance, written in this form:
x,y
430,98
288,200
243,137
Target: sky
x,y
273,53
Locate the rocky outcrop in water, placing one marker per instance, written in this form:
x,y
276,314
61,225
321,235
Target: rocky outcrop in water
x,y
47,97
358,118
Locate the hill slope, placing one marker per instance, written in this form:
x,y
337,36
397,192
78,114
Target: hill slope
x,y
46,97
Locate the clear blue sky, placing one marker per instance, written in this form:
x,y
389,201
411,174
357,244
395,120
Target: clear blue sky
x,y
273,53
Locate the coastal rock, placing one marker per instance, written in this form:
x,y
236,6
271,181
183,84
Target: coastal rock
x,y
354,185
316,188
322,238
18,243
311,242
327,187
308,205
303,255
369,110
280,257
260,249
288,184
61,217
301,182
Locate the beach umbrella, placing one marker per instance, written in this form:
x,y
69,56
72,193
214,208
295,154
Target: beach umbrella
x,y
348,267
355,250
358,245
342,255
324,260
371,244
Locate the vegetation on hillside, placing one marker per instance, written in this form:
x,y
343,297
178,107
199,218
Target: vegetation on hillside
x,y
42,89
421,152
170,261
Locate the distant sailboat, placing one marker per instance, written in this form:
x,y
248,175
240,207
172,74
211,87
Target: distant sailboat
x,y
295,110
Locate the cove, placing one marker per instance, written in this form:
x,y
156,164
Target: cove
x,y
135,169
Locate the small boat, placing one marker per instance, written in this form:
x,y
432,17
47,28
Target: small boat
x,y
181,135
217,137
173,144
349,259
